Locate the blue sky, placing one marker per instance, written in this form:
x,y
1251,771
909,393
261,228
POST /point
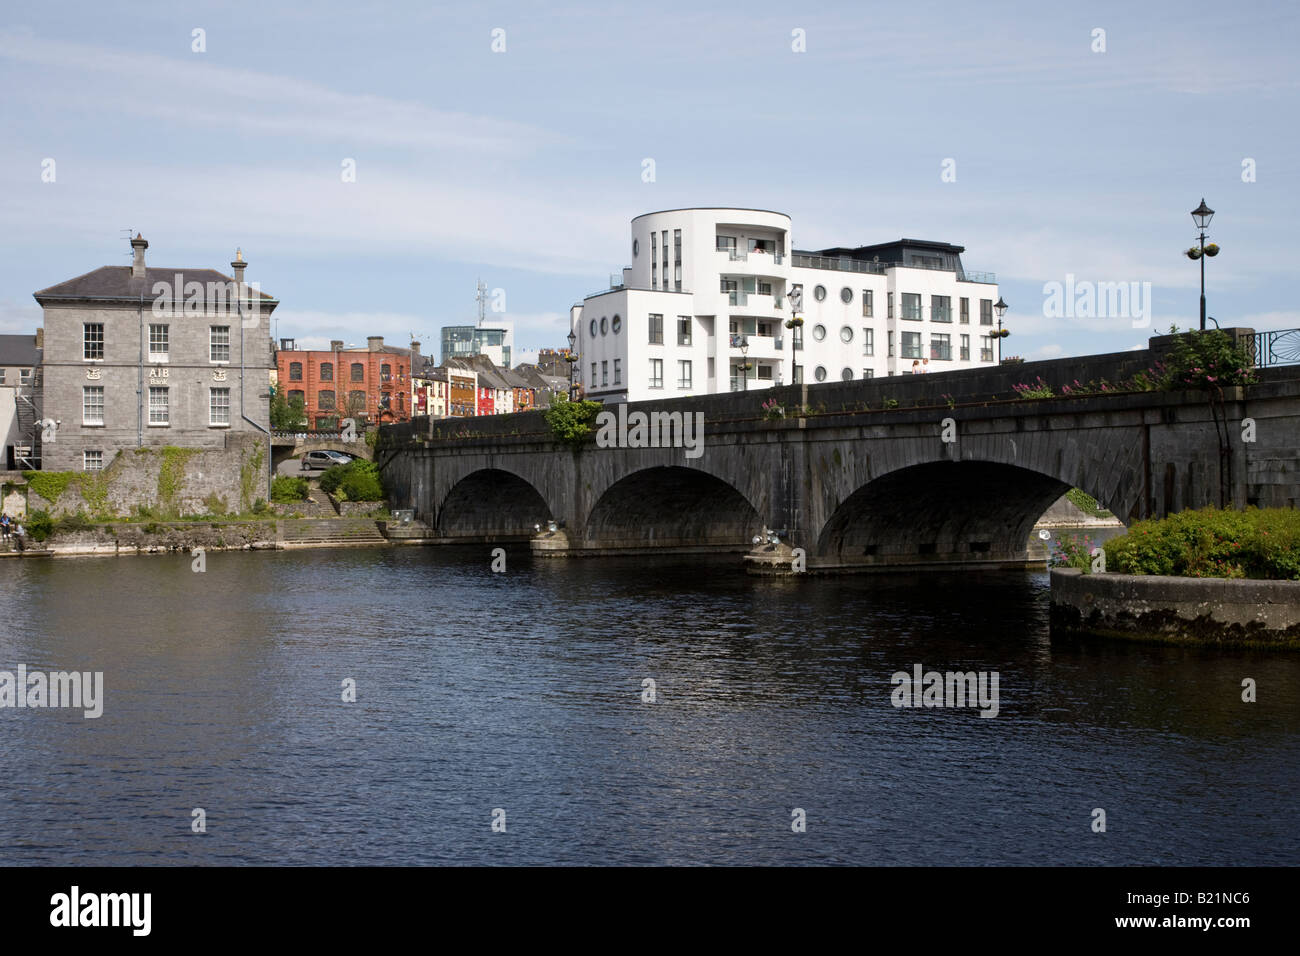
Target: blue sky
x,y
524,167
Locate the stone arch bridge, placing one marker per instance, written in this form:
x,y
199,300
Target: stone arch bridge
x,y
947,468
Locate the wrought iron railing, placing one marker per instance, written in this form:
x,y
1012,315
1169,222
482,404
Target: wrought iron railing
x,y
1278,347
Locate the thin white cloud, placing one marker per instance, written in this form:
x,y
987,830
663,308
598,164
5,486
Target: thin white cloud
x,y
198,93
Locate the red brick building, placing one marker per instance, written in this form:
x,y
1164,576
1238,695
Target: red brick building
x,y
371,385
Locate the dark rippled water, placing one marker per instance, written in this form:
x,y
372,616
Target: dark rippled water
x,y
522,691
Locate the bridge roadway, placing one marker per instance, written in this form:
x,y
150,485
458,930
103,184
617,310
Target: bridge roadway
x,y
864,478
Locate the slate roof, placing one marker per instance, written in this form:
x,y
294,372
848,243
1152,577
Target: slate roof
x,y
115,282
19,351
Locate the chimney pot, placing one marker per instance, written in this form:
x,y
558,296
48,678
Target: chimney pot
x,y
336,345
138,245
237,266
375,343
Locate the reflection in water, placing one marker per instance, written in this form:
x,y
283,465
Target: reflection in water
x,y
523,691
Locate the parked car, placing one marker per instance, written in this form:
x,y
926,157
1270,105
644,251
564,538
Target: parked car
x,y
320,460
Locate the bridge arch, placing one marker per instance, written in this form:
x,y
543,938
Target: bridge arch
x,y
964,511
671,506
492,503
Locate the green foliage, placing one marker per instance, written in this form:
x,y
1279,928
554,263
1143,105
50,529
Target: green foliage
x,y
153,527
287,415
1039,389
1212,543
1207,360
78,521
372,437
356,481
570,422
39,525
286,488
891,403
1072,553
1087,503
171,478
259,506
216,504
50,485
249,471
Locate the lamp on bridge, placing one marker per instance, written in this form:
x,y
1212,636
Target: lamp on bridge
x,y
1202,215
744,363
573,364
1000,308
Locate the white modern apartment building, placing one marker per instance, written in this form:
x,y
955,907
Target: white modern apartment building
x,y
710,291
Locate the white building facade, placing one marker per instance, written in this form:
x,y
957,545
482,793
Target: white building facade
x,y
710,291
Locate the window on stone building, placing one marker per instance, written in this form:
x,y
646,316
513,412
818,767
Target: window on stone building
x,y
295,371
92,404
92,340
159,413
325,399
158,336
92,460
219,406
326,371
358,372
218,343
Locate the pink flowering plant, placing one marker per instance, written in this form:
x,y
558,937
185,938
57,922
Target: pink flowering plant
x,y
1208,360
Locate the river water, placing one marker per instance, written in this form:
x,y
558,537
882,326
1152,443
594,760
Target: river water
x,y
522,692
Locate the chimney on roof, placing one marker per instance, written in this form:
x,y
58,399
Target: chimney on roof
x,y
138,245
336,345
415,354
374,343
238,266
40,338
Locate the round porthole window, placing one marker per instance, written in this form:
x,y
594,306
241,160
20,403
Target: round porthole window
x,y
819,293
819,332
617,324
593,328
636,247
847,375
846,295
604,325
846,334
820,374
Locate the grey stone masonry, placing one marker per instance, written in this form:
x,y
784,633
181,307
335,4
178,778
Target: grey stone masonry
x,y
150,357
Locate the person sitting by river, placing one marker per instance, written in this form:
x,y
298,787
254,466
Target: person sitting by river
x,y
18,533
5,527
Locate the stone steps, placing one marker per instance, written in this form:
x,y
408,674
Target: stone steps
x,y
306,531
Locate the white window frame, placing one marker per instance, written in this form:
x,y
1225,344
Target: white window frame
x,y
87,460
164,407
88,391
213,344
163,354
213,392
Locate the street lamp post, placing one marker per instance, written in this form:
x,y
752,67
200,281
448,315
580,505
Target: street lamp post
x,y
1202,215
1000,308
573,364
744,363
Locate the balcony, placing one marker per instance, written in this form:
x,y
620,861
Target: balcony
x,y
738,298
910,314
845,264
941,315
941,353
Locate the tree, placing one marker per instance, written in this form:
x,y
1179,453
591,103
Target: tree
x,y
287,414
